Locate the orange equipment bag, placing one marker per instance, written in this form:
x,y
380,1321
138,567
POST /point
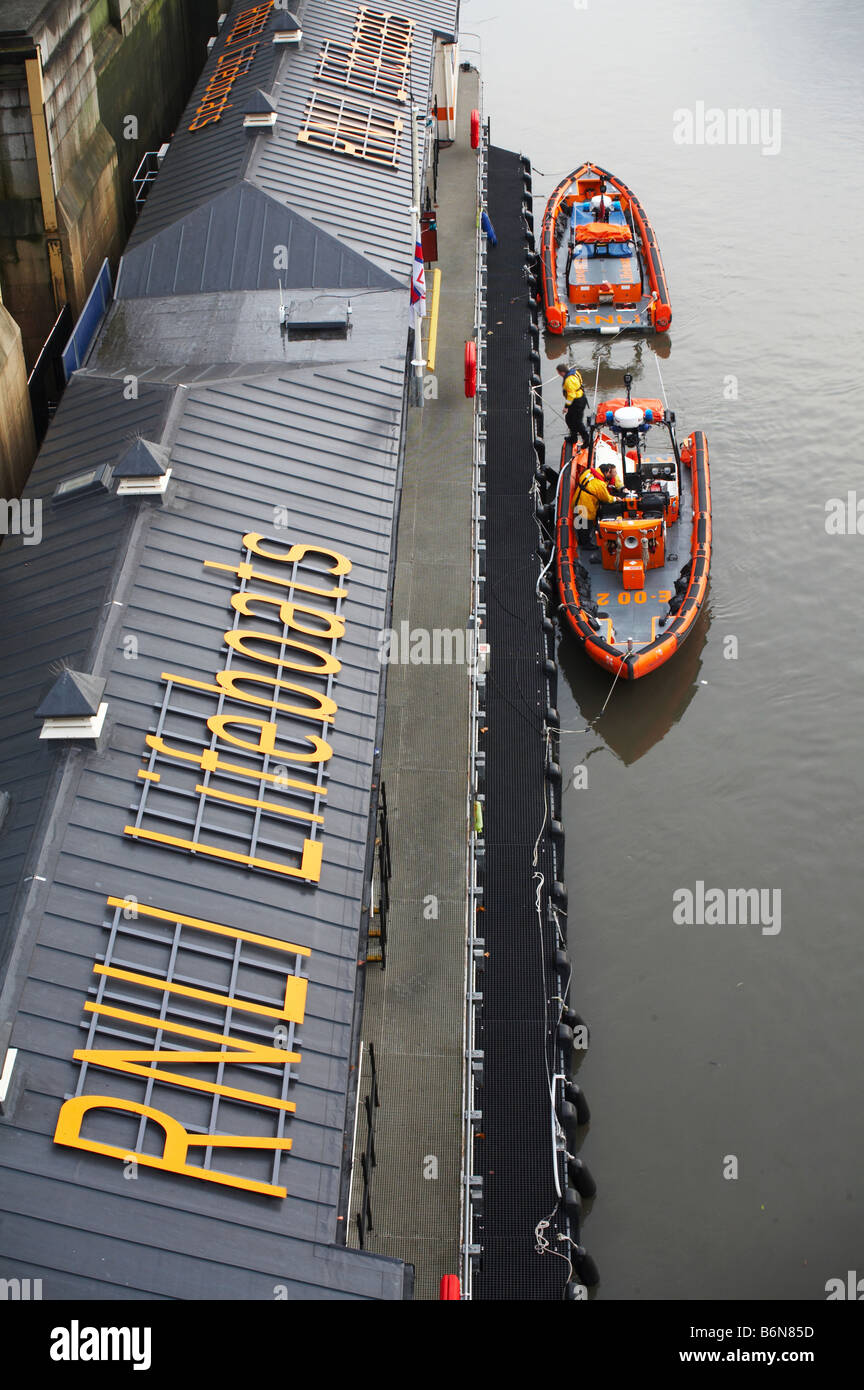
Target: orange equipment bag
x,y
603,231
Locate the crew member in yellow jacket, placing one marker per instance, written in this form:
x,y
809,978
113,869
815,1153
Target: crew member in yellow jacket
x,y
575,402
593,487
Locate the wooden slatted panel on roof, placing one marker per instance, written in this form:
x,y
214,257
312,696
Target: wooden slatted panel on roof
x,y
346,126
377,60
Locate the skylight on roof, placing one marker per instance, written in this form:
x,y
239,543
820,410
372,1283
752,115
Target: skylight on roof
x,y
96,480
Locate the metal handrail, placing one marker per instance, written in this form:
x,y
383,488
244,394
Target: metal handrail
x,y
146,173
471,1181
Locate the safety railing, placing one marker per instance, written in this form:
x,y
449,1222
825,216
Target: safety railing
x,y
472,1181
47,380
376,949
89,321
433,163
146,173
368,1161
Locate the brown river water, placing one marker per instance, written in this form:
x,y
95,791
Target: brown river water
x,y
717,1048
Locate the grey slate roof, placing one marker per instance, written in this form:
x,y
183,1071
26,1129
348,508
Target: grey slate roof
x,y
322,443
256,423
329,197
203,163
195,337
366,206
229,244
53,597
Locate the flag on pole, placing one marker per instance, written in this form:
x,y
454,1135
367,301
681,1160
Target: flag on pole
x,y
418,288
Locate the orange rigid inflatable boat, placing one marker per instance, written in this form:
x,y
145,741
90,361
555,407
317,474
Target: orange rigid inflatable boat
x,y
601,270
632,592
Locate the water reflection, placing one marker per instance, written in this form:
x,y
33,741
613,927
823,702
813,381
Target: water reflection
x,y
640,713
588,353
773,743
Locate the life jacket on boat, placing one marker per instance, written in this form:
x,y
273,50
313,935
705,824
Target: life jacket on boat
x,y
591,490
571,385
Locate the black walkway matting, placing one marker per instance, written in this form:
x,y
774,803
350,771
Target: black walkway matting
x,y
516,1155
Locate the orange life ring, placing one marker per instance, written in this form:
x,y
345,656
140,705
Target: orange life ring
x,y
470,369
475,130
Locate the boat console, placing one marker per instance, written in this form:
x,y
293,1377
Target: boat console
x,y
632,544
632,531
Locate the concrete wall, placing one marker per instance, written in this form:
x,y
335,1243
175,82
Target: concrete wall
x,y
103,61
164,52
116,76
71,103
17,440
24,280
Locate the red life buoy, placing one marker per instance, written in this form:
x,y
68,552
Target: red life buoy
x,y
475,130
449,1289
470,369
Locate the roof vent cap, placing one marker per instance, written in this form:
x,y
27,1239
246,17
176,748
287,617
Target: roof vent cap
x,y
259,113
286,27
73,707
142,469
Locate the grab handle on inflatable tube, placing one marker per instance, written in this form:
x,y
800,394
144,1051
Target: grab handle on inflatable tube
x,y
661,315
556,318
475,130
470,369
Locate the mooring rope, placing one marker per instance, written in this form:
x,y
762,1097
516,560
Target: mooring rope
x,y
543,1247
662,387
614,683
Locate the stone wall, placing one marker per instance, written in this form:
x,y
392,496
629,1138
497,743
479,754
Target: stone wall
x,y
103,62
17,441
24,279
69,75
116,76
165,53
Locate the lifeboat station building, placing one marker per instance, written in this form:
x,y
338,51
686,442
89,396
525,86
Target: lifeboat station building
x,y
192,691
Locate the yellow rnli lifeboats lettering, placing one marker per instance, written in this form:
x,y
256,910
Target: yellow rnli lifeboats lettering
x,y
173,1004
271,656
